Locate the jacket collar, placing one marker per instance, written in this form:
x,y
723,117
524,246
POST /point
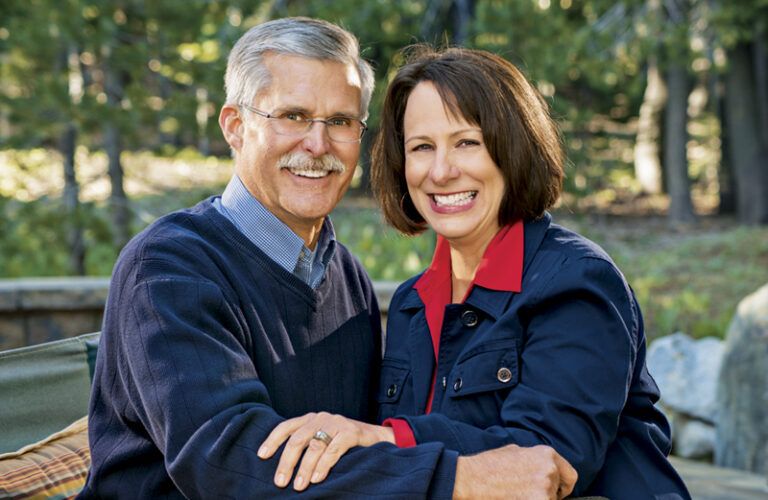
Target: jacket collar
x,y
497,279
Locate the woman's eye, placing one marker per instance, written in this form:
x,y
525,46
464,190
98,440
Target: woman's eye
x,y
421,147
468,142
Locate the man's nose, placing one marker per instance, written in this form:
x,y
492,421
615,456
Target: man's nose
x,y
316,141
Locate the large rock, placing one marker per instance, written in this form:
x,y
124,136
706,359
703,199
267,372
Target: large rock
x,y
742,396
694,439
686,373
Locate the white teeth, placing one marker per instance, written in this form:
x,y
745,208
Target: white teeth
x,y
454,200
312,173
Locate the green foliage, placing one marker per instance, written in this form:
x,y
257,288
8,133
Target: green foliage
x,y
32,216
386,254
34,241
737,22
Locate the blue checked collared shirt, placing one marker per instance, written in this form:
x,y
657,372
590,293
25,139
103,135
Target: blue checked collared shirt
x,y
273,237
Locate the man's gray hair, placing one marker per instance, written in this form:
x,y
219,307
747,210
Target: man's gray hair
x,y
247,74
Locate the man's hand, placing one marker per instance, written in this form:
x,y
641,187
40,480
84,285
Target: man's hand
x,y
513,472
318,456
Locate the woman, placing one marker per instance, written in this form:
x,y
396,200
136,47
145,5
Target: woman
x,y
520,331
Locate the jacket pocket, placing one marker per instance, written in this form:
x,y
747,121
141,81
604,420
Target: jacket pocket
x,y
489,367
394,373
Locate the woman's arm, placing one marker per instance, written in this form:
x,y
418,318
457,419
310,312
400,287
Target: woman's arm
x,y
320,452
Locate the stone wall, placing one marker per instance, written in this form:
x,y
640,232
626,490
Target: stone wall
x,y
35,310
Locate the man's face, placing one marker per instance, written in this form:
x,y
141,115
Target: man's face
x,y
300,197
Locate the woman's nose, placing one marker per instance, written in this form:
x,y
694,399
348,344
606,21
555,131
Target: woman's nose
x,y
443,169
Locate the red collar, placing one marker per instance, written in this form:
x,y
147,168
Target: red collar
x,y
501,267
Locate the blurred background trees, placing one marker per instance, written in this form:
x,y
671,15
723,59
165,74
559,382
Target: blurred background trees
x,y
123,75
663,104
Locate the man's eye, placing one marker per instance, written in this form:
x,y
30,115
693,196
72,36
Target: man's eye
x,y
339,121
295,117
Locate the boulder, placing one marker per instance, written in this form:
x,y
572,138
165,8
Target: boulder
x,y
694,439
742,395
686,372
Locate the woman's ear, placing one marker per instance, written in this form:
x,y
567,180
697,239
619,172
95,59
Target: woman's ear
x,y
231,124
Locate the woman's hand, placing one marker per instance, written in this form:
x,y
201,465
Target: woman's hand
x,y
320,455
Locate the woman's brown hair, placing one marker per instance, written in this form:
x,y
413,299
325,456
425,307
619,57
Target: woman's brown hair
x,y
487,91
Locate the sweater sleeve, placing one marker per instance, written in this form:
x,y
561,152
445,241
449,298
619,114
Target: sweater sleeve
x,y
196,393
575,368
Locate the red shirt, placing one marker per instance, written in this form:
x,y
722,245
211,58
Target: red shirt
x,y
501,269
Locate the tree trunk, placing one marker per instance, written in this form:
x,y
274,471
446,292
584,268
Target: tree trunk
x,y
432,13
164,92
121,217
647,157
462,13
5,120
118,200
726,178
69,64
75,242
439,15
364,187
201,115
748,156
676,139
761,82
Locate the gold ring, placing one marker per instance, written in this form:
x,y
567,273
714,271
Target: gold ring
x,y
323,436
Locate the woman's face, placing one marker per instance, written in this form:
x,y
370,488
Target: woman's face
x,y
452,180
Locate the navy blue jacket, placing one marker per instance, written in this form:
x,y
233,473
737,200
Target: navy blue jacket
x,y
207,344
561,363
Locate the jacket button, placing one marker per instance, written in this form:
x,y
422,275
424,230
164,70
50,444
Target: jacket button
x,y
469,318
457,384
391,390
504,374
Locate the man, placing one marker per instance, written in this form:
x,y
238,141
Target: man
x,y
226,318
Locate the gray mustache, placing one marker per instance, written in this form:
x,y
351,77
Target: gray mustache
x,y
297,160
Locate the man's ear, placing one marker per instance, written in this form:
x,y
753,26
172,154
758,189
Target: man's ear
x,y
232,126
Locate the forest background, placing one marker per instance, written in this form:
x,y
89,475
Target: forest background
x,y
108,119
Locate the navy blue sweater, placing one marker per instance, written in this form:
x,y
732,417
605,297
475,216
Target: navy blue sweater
x,y
207,344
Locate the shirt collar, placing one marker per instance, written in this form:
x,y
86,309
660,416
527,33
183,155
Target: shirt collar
x,y
501,267
269,233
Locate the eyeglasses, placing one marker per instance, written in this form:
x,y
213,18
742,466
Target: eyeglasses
x,y
293,123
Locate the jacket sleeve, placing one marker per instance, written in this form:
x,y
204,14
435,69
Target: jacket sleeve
x,y
577,350
195,391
